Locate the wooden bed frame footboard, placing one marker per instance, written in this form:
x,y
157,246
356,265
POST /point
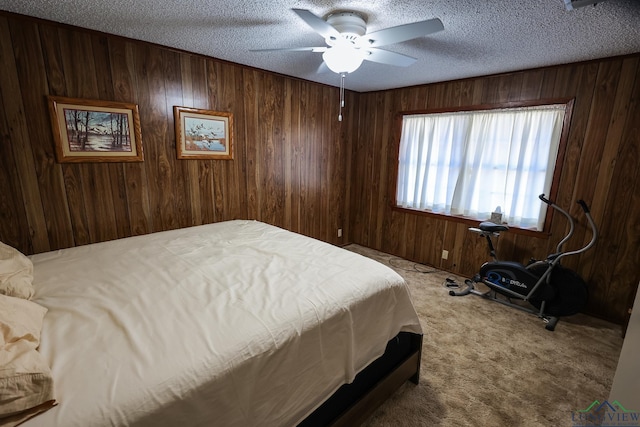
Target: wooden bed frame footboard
x,y
353,403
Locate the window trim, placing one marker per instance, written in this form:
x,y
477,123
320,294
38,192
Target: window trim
x,y
557,172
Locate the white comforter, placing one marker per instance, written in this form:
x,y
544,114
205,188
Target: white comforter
x,y
229,324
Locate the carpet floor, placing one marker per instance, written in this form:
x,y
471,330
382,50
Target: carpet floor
x,y
485,364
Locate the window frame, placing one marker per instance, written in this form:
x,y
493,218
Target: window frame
x,y
557,172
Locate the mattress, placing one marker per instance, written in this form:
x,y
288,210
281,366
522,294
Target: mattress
x,y
236,323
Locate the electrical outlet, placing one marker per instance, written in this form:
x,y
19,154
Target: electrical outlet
x,y
445,254
339,232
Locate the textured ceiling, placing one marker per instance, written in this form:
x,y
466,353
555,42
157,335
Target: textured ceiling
x,y
481,37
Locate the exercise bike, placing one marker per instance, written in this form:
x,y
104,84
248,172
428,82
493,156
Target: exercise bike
x,y
552,290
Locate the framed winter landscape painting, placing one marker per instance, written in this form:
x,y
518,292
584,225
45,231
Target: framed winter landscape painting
x,y
203,134
95,131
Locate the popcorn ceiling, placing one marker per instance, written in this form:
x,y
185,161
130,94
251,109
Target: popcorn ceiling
x,y
481,37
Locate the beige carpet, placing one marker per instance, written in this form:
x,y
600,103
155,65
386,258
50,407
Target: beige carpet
x,y
485,364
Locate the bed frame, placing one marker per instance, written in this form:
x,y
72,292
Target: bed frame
x,y
353,403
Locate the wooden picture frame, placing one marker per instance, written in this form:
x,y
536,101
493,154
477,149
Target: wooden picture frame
x,y
86,130
203,134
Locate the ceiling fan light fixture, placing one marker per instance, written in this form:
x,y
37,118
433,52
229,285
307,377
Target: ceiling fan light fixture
x,y
342,59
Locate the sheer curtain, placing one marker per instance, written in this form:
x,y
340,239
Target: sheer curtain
x,y
468,163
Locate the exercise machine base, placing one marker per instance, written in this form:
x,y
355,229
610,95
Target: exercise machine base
x,y
550,321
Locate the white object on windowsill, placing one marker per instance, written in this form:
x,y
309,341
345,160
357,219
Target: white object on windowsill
x,y
496,216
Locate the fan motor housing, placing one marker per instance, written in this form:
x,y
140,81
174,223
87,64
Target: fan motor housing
x,y
350,25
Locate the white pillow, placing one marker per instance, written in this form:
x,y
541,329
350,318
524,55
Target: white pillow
x,y
26,384
16,273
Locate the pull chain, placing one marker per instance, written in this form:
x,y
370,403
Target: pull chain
x,y
342,76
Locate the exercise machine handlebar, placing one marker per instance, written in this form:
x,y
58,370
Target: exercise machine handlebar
x,y
592,225
584,206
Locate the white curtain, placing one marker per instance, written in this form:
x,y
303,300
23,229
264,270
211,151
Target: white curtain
x,y
469,163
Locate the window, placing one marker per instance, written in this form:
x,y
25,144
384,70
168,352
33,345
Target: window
x,y
468,163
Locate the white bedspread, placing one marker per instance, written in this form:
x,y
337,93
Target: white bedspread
x,y
229,324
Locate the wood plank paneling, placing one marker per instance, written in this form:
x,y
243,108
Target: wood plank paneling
x,y
289,166
615,269
23,213
602,147
12,212
294,164
33,84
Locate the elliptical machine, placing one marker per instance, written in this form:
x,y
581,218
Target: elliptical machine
x,y
552,290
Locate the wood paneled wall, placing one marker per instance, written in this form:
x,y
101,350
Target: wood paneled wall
x,y
295,165
291,156
601,166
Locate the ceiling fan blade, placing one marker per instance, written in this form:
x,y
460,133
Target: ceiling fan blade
x,y
390,58
318,24
292,49
401,33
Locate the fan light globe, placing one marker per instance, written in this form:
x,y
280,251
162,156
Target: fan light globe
x,y
342,59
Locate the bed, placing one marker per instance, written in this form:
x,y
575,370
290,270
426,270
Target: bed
x,y
235,323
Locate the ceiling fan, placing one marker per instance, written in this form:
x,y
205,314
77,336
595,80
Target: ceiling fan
x,y
348,44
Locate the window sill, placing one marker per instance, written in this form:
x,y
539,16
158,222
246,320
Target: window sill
x,y
472,222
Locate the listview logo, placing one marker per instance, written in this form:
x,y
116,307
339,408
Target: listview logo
x,y
605,414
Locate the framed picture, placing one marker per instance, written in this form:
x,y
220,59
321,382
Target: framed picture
x,y
203,134
95,131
